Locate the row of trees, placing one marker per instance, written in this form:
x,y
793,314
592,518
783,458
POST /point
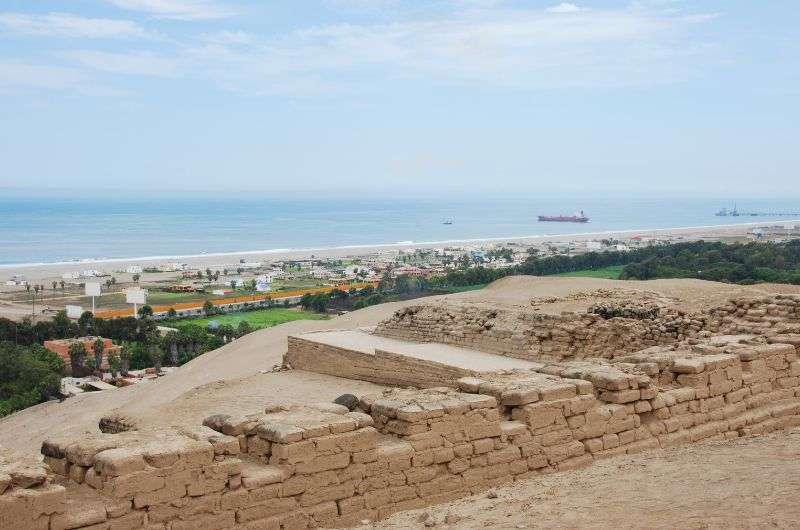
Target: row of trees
x,y
733,263
28,375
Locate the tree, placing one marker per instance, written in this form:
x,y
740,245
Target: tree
x,y
305,300
98,347
77,358
86,323
319,302
125,358
156,355
208,308
29,375
233,285
62,284
172,313
55,285
114,363
33,299
145,311
91,365
61,324
244,328
136,278
216,276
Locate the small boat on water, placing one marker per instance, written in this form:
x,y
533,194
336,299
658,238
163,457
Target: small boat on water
x,y
577,218
447,222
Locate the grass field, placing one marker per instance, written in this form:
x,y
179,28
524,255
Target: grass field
x,y
463,288
263,318
610,273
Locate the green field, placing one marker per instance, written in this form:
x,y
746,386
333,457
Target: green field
x,y
609,273
263,318
462,288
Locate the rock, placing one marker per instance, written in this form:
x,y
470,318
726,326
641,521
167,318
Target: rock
x,y
347,400
452,518
491,494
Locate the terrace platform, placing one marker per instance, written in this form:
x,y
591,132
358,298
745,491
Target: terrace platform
x,y
358,354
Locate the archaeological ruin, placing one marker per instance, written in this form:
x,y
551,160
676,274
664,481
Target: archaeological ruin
x,y
480,395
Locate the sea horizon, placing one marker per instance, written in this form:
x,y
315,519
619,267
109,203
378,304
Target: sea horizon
x,y
146,230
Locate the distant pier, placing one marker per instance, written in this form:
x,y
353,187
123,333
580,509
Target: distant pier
x,y
736,213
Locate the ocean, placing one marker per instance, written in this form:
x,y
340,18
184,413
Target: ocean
x,y
47,230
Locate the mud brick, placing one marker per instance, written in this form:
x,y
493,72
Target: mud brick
x,y
688,365
621,396
323,463
268,508
329,493
593,445
293,453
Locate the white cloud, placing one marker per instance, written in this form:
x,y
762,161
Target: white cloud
x,y
564,7
499,47
67,25
130,63
178,9
15,74
229,37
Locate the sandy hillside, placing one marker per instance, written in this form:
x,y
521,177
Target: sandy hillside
x,y
743,483
556,294
230,380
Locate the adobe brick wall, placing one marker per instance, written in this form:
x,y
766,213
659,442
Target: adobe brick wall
x,y
322,465
383,368
525,334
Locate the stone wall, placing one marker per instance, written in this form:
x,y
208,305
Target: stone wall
x,y
525,334
324,465
382,367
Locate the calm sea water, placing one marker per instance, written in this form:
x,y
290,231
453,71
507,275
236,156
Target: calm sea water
x,y
51,230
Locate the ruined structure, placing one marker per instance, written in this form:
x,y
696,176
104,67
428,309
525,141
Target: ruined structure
x,y
489,396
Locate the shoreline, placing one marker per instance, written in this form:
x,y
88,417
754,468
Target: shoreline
x,y
45,269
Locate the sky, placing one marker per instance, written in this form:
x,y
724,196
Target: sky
x,y
405,97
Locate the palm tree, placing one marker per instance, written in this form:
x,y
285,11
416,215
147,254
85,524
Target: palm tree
x,y
62,285
33,299
55,284
136,278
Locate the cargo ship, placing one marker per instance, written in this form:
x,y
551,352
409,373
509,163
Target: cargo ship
x,y
577,218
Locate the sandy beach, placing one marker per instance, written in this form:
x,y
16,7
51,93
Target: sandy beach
x,y
45,271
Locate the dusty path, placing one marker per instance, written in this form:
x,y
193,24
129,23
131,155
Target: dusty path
x,y
744,483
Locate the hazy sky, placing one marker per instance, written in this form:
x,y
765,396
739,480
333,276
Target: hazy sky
x,y
407,96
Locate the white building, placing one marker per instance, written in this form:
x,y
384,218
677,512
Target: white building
x,y
594,246
134,269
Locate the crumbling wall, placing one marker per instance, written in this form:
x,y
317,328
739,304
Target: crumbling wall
x,y
382,367
605,330
324,465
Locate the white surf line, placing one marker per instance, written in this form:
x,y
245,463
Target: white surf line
x,y
401,244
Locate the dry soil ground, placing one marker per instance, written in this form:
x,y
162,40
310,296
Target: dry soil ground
x,y
744,483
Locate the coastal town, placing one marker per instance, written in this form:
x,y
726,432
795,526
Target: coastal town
x,y
230,281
